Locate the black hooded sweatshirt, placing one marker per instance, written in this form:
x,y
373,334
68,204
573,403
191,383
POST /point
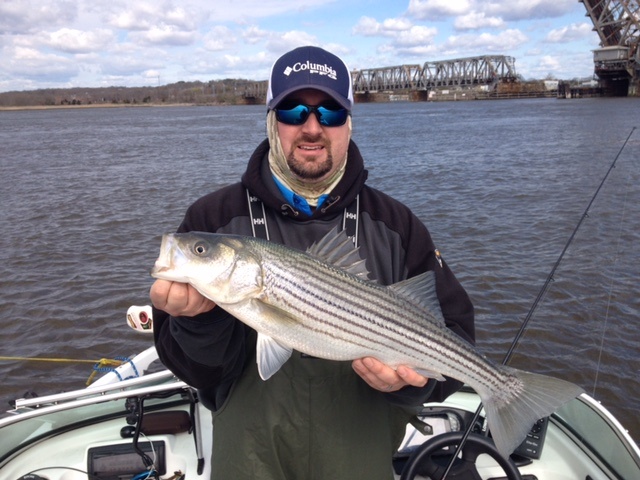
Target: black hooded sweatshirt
x,y
214,352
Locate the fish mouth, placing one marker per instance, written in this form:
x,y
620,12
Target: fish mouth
x,y
159,268
164,263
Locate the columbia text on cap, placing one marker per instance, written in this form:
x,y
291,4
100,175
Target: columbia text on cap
x,y
310,67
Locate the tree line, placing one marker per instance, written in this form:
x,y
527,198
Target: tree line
x,y
215,92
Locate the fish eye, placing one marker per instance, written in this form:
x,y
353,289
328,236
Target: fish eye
x,y
200,248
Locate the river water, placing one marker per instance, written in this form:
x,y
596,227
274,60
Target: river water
x,y
85,195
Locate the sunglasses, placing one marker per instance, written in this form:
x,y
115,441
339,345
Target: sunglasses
x,y
328,116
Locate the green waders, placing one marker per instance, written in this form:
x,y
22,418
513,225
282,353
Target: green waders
x,y
313,420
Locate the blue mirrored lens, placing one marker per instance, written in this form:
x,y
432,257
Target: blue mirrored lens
x,y
298,115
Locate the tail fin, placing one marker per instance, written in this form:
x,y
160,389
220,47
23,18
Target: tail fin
x,y
511,419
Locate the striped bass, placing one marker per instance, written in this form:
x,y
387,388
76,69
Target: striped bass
x,y
321,303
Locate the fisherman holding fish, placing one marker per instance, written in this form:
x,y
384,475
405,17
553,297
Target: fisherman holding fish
x,y
312,418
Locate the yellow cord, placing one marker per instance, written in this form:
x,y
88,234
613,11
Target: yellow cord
x,y
103,362
40,359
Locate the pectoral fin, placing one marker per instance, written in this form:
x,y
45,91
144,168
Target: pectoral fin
x,y
431,374
270,356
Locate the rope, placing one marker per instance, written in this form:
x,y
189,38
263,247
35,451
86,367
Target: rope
x,y
107,366
104,365
55,360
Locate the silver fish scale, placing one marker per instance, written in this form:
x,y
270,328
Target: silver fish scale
x,y
341,317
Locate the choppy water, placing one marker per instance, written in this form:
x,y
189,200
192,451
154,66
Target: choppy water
x,y
86,194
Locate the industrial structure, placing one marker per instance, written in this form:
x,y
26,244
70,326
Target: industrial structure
x,y
617,61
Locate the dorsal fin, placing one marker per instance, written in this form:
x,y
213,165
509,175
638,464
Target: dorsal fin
x,y
337,249
421,291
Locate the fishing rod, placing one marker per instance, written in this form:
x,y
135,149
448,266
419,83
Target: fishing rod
x,y
534,306
549,279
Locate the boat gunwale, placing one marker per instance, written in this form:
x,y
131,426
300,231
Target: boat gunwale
x,y
587,447
84,400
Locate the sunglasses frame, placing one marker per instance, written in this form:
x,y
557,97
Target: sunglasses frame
x,y
304,115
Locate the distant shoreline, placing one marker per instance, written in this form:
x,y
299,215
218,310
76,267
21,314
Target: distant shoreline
x,y
102,105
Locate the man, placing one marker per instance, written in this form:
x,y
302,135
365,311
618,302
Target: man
x,y
314,419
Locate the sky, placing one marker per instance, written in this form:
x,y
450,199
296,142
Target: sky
x,y
98,43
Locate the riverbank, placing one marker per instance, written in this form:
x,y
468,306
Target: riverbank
x,y
436,95
97,105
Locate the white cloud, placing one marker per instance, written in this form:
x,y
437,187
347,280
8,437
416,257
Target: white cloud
x,y
477,20
401,30
151,75
132,65
487,42
418,35
136,16
433,10
218,39
76,41
254,34
420,53
144,16
570,33
179,17
396,25
231,66
550,62
526,9
438,9
165,35
20,16
32,63
390,27
370,27
249,10
280,43
367,26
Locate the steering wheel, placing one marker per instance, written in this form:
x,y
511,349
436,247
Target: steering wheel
x,y
423,462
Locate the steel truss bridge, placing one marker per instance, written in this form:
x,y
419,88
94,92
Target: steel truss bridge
x,y
462,72
617,23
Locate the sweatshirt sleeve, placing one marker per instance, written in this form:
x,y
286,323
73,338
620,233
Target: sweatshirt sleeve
x,y
204,351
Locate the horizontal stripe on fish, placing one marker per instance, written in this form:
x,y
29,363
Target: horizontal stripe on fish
x,y
320,297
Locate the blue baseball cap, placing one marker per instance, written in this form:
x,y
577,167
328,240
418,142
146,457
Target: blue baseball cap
x,y
310,67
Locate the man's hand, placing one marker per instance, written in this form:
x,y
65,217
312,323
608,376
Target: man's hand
x,y
384,378
178,299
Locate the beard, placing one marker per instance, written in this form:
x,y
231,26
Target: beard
x,y
311,168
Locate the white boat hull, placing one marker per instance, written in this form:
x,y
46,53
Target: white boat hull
x,y
61,437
